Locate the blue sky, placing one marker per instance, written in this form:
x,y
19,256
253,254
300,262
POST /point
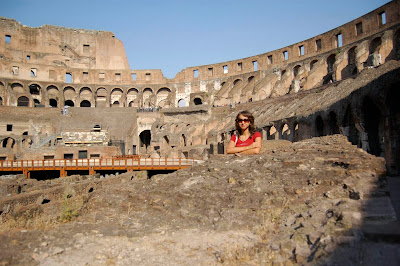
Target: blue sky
x,y
174,34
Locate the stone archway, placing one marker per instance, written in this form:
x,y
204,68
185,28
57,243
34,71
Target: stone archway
x,y
23,101
197,101
145,138
85,103
374,127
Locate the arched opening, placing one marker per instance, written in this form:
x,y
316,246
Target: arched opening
x,y
375,45
349,128
116,96
17,87
52,93
101,97
319,126
351,68
271,133
351,56
330,61
69,94
36,102
69,103
34,89
147,97
181,103
333,127
85,103
285,131
23,101
197,101
163,97
312,64
53,103
374,58
145,138
132,97
85,94
373,124
115,104
1,101
250,79
236,81
8,143
296,71
296,134
392,143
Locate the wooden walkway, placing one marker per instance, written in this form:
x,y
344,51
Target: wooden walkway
x,y
97,164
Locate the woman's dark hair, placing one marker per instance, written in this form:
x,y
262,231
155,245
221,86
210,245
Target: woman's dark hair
x,y
252,127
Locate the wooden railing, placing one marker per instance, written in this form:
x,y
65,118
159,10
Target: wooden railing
x,y
93,164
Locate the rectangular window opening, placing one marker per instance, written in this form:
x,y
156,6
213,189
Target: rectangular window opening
x,y
301,50
82,154
382,18
117,76
225,68
86,48
48,157
9,127
102,76
359,29
210,71
318,44
15,70
195,73
94,155
285,55
255,65
8,39
270,61
52,74
133,76
68,77
68,156
148,76
85,75
28,57
239,66
33,72
339,40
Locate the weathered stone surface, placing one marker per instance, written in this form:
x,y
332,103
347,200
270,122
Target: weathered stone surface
x,y
229,209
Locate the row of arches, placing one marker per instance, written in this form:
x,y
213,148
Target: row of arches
x,y
52,96
340,64
238,90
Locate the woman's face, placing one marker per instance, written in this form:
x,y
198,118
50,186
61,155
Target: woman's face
x,y
243,122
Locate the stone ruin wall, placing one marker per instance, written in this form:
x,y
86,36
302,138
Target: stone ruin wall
x,y
198,130
100,73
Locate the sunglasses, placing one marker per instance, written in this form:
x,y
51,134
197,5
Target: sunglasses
x,y
243,120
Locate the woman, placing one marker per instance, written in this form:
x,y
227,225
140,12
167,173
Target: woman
x,y
248,140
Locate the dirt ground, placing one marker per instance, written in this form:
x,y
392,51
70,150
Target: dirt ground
x,y
295,203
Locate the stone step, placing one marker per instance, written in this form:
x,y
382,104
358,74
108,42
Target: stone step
x,y
386,232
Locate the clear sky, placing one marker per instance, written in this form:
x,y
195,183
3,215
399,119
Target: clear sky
x,y
174,34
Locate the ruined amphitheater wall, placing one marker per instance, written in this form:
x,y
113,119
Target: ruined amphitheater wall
x,y
77,58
